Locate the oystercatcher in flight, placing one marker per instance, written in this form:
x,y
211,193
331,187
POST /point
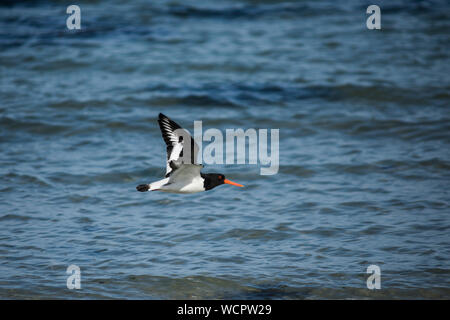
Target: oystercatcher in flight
x,y
182,176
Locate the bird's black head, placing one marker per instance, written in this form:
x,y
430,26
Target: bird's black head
x,y
213,180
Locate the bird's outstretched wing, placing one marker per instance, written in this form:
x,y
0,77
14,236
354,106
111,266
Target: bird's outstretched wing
x,y
180,145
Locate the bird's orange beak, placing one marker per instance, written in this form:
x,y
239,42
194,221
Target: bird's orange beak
x,y
232,183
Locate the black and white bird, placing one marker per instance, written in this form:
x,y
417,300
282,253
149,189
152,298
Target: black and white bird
x,y
182,170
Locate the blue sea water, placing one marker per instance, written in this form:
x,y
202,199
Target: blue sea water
x,y
364,149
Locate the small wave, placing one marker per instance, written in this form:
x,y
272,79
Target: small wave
x,y
286,10
107,177
18,217
323,231
84,220
252,234
194,100
7,217
299,171
30,126
79,104
25,180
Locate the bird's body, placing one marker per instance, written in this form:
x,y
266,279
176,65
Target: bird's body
x,y
183,173
186,179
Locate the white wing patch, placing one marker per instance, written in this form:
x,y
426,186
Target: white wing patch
x,y
176,139
174,155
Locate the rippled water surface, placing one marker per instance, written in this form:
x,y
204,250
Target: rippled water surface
x,y
364,149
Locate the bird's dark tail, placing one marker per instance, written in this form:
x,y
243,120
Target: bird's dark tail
x,y
143,187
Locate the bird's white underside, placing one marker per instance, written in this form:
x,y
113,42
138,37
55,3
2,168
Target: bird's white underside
x,y
185,179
